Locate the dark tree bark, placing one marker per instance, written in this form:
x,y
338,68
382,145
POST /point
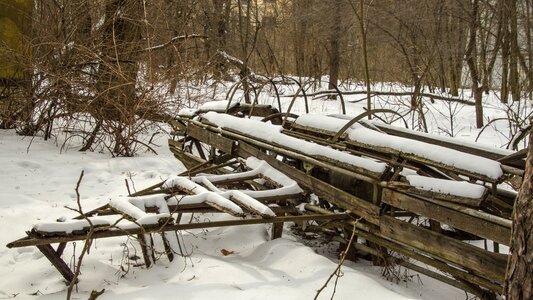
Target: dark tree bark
x,y
514,51
519,275
334,45
471,55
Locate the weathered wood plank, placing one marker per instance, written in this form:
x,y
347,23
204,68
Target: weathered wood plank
x,y
489,265
416,255
56,261
35,241
224,144
419,159
332,194
474,202
456,146
482,228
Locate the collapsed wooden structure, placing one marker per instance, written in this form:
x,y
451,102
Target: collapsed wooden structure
x,y
421,201
412,199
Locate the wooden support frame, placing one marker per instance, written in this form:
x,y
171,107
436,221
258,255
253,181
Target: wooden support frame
x,y
482,228
34,241
56,261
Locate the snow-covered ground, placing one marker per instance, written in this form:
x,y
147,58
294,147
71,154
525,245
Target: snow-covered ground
x,y
37,182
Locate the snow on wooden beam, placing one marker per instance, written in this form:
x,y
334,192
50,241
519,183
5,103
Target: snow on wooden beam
x,y
272,135
438,156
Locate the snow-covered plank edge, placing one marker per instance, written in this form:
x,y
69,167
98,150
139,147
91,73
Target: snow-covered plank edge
x,y
258,167
217,105
460,192
261,169
271,134
134,208
437,156
69,226
362,136
450,140
249,203
214,200
199,194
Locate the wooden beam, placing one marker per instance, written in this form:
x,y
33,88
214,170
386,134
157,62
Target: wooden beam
x,y
456,219
224,144
489,265
34,241
56,260
332,194
487,153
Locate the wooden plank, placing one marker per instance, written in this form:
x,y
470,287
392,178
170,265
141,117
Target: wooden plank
x,y
474,202
470,224
34,241
332,194
60,248
277,229
224,144
456,146
489,265
417,255
144,249
294,152
56,261
419,159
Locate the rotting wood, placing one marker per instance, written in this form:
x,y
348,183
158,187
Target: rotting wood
x,y
56,260
489,265
482,228
478,151
144,250
34,241
414,253
336,196
224,144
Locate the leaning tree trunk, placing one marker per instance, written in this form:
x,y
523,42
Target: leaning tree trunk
x,y
519,275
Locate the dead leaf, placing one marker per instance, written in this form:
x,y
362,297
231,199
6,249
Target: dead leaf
x,y
226,252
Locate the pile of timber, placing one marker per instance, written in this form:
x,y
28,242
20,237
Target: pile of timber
x,y
433,200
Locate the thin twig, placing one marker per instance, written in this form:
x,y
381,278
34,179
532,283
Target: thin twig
x,y
336,272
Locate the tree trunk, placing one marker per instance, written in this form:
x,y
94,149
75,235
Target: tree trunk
x,y
365,56
519,275
334,52
504,91
514,52
471,60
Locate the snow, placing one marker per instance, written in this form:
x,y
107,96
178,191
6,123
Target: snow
x,y
322,122
215,196
135,207
249,203
187,112
271,134
456,188
447,156
218,105
258,168
69,226
447,139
